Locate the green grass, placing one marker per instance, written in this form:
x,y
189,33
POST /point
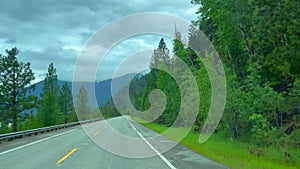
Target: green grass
x,y
235,154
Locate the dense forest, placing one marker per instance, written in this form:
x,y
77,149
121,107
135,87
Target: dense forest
x,y
258,43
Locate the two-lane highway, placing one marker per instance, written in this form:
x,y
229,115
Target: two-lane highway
x,y
73,148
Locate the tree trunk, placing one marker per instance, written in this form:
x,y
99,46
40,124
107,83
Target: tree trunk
x,y
66,117
15,125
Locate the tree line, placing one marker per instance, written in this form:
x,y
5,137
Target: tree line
x,y
258,43
21,110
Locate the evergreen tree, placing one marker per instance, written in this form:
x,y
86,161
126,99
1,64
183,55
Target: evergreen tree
x,y
47,110
81,104
31,122
15,79
160,58
161,54
50,82
65,102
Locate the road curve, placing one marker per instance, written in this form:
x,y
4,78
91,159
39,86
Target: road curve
x,y
73,148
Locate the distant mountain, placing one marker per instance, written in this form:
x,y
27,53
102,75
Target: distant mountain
x,y
103,90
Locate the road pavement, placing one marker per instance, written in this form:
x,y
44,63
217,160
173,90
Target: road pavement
x,y
73,148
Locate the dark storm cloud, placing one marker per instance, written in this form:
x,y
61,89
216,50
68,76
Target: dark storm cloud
x,y
48,31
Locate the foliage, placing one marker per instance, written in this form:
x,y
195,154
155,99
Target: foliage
x,y
31,122
15,79
258,41
81,104
50,82
47,111
109,110
237,154
158,78
65,102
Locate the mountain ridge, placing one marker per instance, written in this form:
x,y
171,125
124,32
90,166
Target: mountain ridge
x,y
102,90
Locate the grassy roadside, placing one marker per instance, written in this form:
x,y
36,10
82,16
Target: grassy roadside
x,y
235,155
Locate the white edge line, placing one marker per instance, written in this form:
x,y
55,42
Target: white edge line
x,y
156,151
26,145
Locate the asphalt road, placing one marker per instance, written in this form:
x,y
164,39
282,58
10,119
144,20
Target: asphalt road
x,y
73,148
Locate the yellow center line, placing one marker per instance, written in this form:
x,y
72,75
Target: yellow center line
x,y
96,133
66,156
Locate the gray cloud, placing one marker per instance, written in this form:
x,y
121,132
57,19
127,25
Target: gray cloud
x,y
56,31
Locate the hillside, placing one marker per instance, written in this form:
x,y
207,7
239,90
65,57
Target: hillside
x,y
103,89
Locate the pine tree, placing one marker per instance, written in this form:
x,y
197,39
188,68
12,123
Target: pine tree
x,y
50,83
31,121
15,79
47,111
81,104
160,55
65,102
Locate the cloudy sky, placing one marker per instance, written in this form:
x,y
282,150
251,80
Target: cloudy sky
x,y
56,31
